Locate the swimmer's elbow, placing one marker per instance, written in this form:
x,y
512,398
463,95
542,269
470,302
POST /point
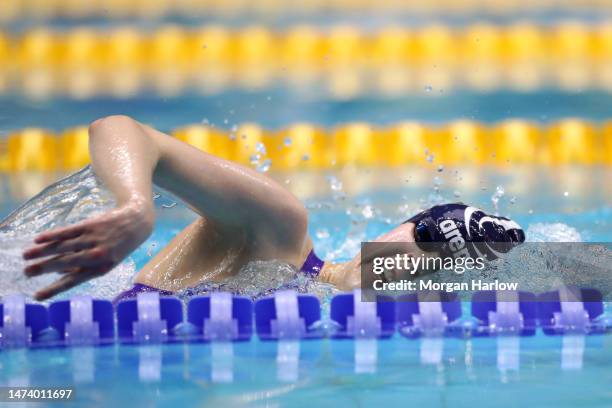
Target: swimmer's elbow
x,y
110,122
107,131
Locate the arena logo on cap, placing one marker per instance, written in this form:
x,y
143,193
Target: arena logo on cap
x,y
456,241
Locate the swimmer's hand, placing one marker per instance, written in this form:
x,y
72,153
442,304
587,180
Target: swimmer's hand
x,y
90,248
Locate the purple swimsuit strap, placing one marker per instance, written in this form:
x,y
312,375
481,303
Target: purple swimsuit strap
x,y
313,264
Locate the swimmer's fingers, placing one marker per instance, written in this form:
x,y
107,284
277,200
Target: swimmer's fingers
x,y
57,248
90,258
68,281
58,234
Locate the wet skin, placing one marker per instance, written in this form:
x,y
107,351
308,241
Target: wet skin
x,y
244,215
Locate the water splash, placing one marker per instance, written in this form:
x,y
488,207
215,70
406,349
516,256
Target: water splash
x,y
322,233
336,187
555,232
496,197
69,200
264,166
262,278
14,281
260,148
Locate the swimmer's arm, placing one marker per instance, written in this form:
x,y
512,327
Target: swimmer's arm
x,y
128,156
227,192
124,158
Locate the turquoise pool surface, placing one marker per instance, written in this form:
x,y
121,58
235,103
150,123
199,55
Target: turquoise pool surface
x,y
485,372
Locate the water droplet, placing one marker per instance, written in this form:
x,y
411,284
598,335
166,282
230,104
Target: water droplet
x,y
151,248
566,194
234,128
305,157
287,141
457,194
260,148
440,168
367,211
205,121
499,193
254,158
428,88
334,183
322,233
265,166
225,121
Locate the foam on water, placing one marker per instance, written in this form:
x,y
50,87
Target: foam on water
x,y
555,232
262,278
70,200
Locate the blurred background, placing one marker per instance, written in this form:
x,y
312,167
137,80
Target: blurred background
x,y
439,91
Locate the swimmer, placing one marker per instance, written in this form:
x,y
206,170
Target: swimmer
x,y
243,216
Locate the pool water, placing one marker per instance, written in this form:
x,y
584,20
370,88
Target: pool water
x,y
345,209
485,372
346,206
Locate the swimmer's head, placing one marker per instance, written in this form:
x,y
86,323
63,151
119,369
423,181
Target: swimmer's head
x,y
459,230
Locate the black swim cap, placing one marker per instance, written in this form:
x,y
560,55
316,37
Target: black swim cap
x,y
467,231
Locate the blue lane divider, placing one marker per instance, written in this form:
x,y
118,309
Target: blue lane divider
x,y
287,315
504,313
571,310
221,316
149,318
362,319
21,324
428,314
83,320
